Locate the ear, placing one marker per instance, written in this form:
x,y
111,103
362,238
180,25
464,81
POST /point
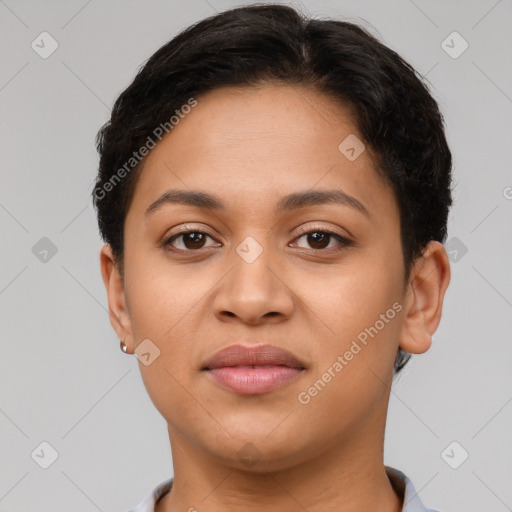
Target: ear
x,y
427,285
118,311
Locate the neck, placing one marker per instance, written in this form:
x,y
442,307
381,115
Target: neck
x,y
348,477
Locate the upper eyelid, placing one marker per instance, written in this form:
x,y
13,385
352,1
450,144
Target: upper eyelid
x,y
305,230
309,229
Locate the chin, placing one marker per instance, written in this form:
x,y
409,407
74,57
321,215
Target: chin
x,y
258,452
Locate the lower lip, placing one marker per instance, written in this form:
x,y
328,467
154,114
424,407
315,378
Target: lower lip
x,y
252,381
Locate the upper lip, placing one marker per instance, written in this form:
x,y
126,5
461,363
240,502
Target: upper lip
x,y
259,355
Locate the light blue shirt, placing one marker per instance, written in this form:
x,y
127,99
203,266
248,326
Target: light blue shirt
x,y
412,502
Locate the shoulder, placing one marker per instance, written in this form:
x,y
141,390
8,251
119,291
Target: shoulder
x,y
404,486
149,502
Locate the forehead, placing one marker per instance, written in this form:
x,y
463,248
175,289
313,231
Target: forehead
x,y
261,142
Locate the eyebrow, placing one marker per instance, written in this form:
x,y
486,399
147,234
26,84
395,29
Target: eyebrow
x,y
287,203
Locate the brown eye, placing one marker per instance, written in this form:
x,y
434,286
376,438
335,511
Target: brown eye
x,y
320,239
191,240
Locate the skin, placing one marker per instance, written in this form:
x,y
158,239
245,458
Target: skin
x,y
251,146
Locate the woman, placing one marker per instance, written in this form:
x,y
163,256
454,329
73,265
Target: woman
x,y
273,192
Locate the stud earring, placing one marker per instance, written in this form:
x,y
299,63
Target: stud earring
x,y
123,346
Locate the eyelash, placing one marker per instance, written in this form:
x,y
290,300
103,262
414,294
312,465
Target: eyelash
x,y
344,242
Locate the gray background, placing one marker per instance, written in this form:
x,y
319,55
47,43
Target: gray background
x,y
63,378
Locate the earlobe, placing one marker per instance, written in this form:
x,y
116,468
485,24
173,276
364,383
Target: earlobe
x,y
429,279
118,312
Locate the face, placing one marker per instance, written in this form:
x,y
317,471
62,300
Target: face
x,y
321,279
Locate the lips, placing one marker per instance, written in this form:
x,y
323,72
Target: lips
x,y
261,355
253,370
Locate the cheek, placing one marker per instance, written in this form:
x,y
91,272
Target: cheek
x,y
162,309
356,354
363,309
161,296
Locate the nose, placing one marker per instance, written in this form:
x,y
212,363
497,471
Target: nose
x,y
254,292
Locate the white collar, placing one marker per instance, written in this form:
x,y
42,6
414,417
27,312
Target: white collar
x,y
403,485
